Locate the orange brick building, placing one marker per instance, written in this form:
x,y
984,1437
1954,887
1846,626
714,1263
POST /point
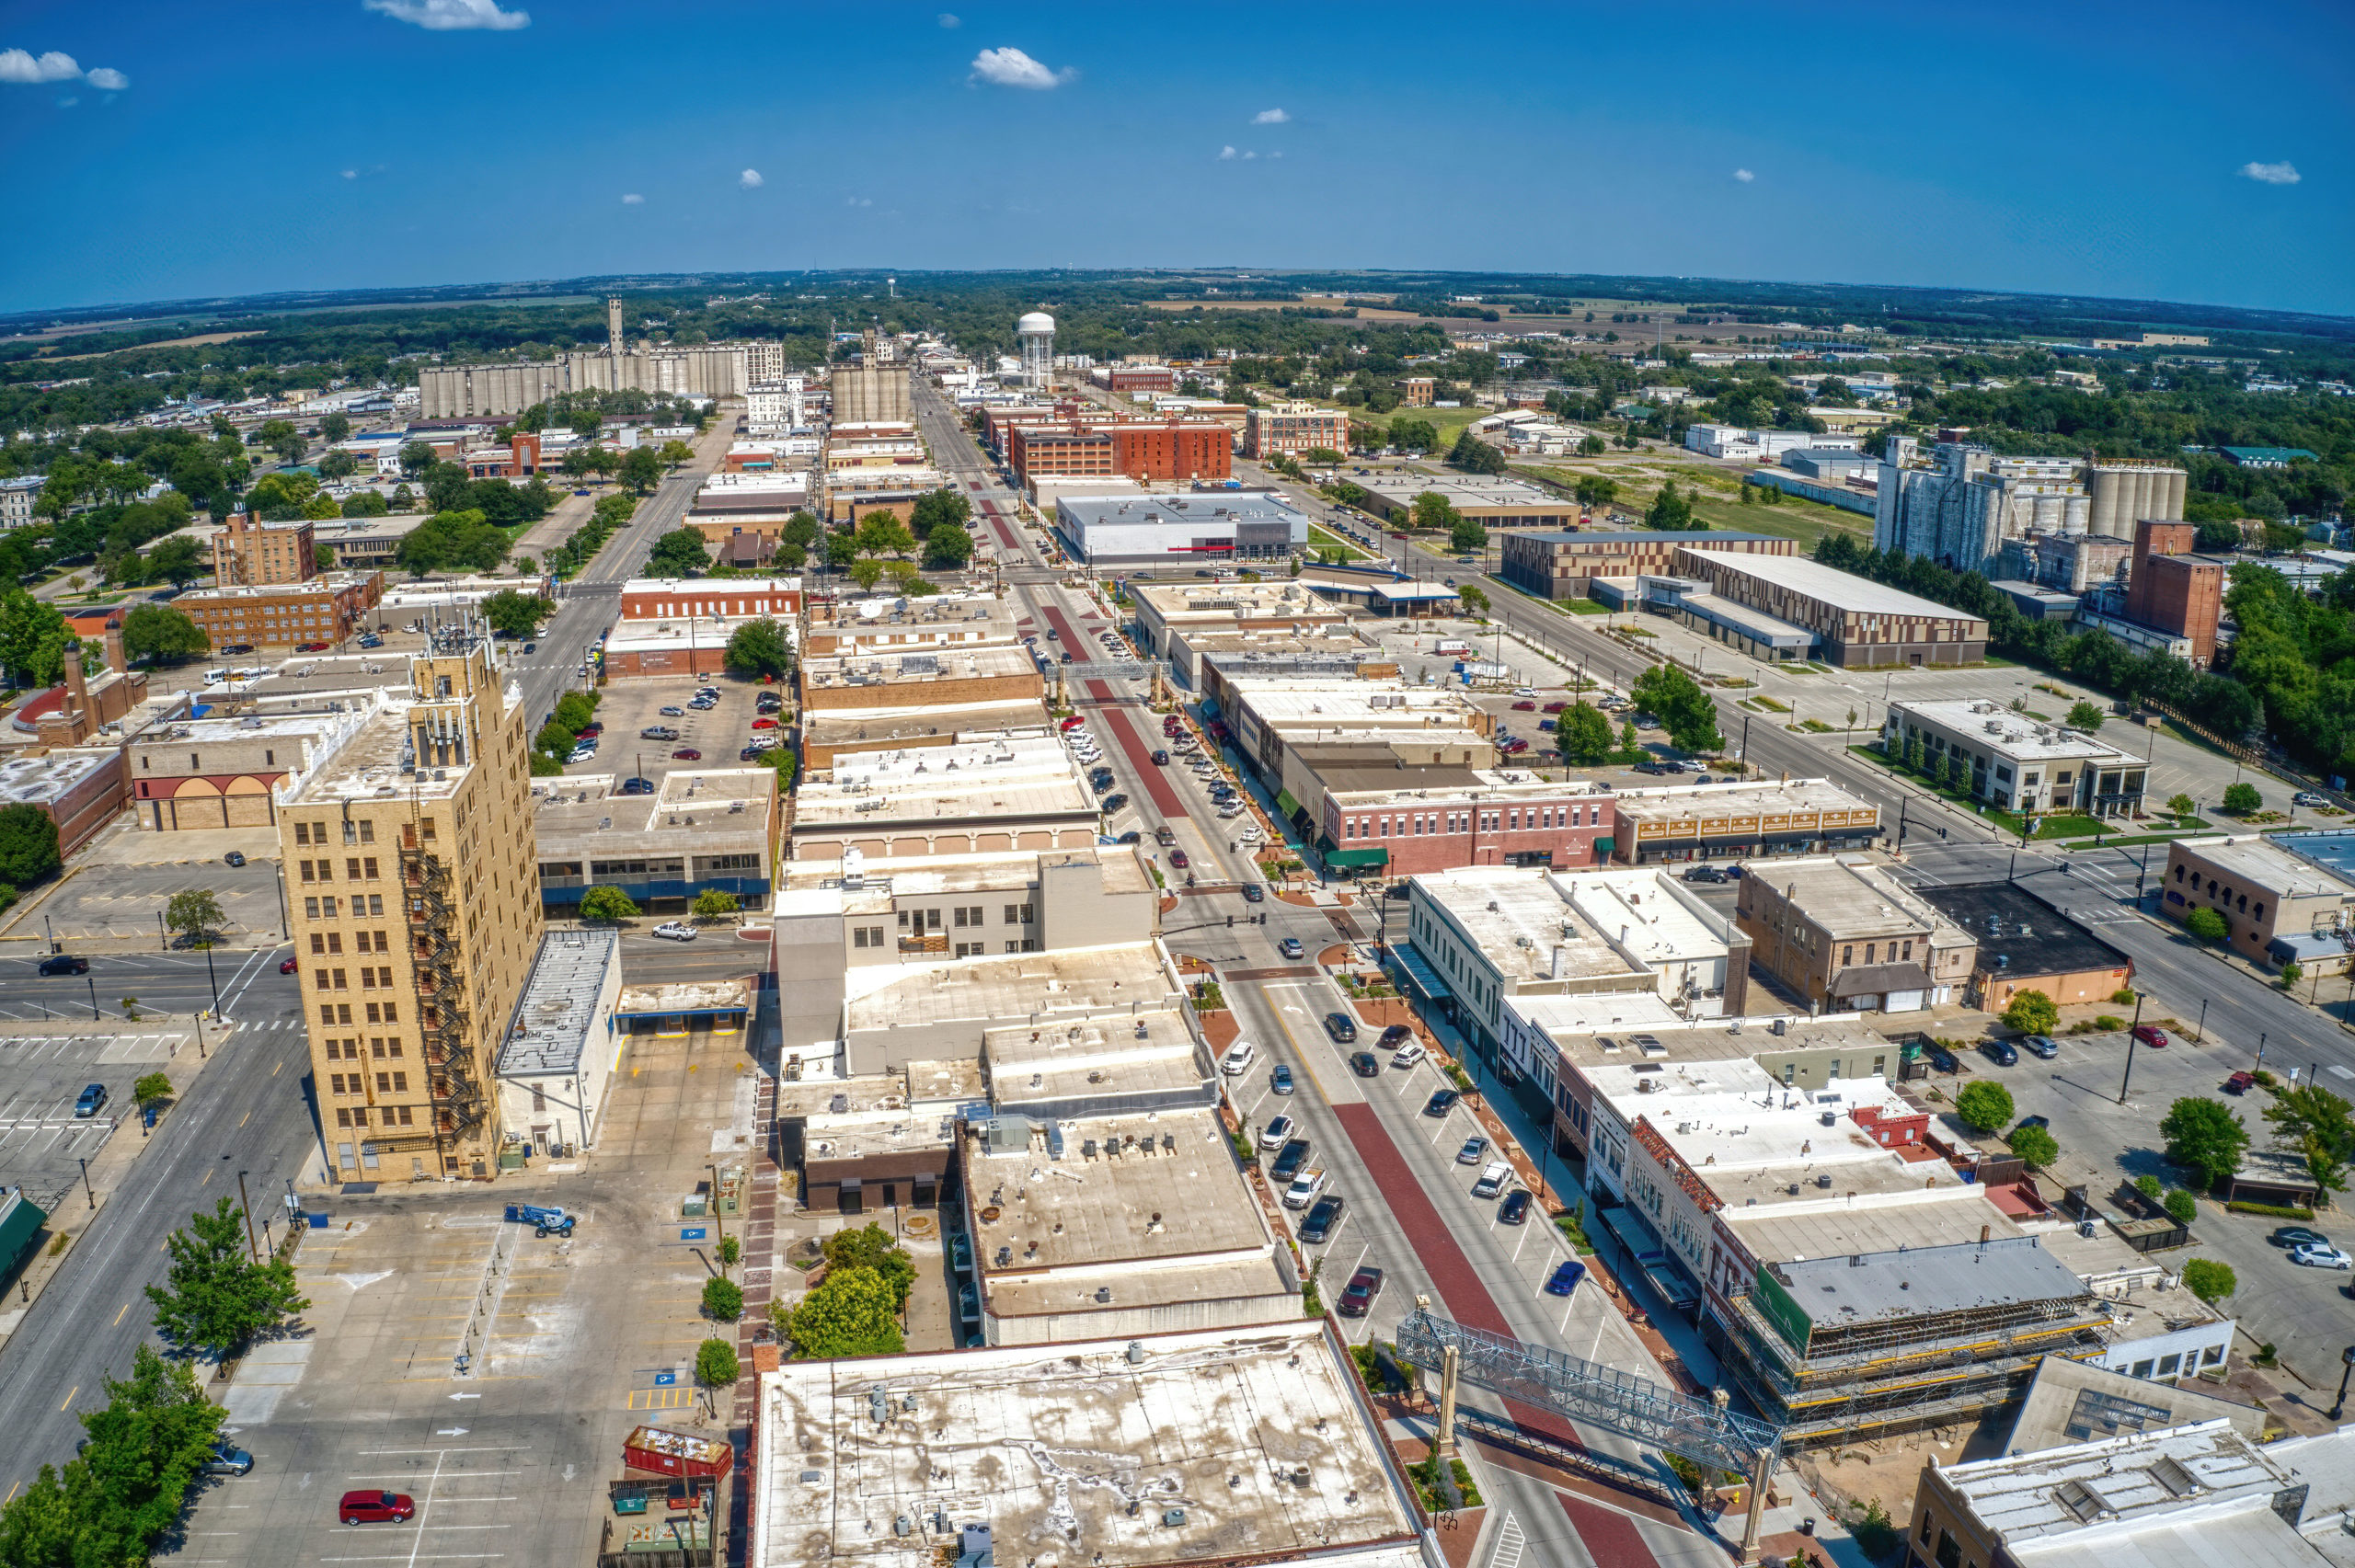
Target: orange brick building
x,y
1160,450
321,610
249,550
2170,589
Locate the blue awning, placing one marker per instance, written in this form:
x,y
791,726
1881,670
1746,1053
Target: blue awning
x,y
1420,976
1666,1275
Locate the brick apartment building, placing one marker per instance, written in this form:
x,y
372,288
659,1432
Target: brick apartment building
x,y
653,598
248,552
2173,589
520,461
1130,379
320,609
1401,821
1292,428
1561,565
1172,449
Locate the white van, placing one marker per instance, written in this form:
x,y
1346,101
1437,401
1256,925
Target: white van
x,y
1238,1059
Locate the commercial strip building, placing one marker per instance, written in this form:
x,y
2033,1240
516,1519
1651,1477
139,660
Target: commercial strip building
x,y
1006,792
884,623
562,1042
1478,937
2276,906
1380,816
80,789
943,680
2024,943
1714,821
323,609
219,773
1264,1408
1173,619
730,506
1857,623
1496,502
698,830
923,909
1850,938
409,880
2020,764
1556,564
1738,443
1162,531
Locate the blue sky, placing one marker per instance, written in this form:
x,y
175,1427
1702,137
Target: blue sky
x,y
2158,150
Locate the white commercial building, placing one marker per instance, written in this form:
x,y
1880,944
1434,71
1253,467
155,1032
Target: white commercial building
x,y
561,1044
1202,529
1744,445
2018,763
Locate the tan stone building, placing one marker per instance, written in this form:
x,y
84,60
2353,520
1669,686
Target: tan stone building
x,y
1850,938
318,610
248,551
2278,906
415,906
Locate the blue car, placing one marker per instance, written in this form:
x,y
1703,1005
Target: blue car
x,y
1279,1081
1566,1277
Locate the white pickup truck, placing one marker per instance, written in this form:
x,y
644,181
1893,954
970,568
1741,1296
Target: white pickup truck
x,y
1304,1187
1493,1179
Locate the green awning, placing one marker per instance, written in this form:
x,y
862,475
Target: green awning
x,y
1602,848
1286,804
1344,858
20,1223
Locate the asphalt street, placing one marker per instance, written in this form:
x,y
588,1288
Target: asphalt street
x,y
252,1110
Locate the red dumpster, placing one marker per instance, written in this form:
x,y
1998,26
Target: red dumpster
x,y
676,1453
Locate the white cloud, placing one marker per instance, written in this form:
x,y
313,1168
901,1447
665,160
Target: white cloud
x,y
633,199
1010,67
2283,172
67,103
451,15
1270,117
16,65
750,179
1745,175
859,202
1227,153
106,78
352,174
1250,155
949,20
1276,154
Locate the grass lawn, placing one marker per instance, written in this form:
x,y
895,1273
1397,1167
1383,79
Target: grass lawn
x,y
1321,540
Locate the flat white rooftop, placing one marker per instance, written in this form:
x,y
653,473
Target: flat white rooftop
x,y
1998,730
1523,923
1173,1451
1827,585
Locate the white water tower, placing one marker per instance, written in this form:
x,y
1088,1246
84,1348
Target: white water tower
x,y
1037,333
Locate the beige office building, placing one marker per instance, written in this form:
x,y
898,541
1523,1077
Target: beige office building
x,y
414,905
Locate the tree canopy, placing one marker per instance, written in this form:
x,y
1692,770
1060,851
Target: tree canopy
x,y
1683,709
681,553
1984,1104
2032,1012
854,1312
2206,1136
607,904
934,508
194,910
161,632
760,648
215,1298
34,638
1473,455
516,615
27,845
452,541
1583,733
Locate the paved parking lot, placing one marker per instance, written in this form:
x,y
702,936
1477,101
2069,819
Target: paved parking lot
x,y
576,1342
43,1143
124,903
2302,1312
626,707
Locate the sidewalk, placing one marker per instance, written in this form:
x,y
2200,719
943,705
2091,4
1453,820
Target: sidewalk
x,y
169,1052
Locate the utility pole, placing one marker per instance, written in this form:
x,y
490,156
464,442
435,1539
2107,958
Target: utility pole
x,y
245,1209
2137,1025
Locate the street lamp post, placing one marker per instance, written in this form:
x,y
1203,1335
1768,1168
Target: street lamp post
x,y
214,977
86,1184
2345,1371
94,998
2129,1076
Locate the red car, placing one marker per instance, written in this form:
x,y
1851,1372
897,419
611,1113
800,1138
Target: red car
x,y
374,1507
764,724
593,729
2151,1035
312,648
1524,707
2240,1084
1068,724
687,754
1178,859
1555,708
287,967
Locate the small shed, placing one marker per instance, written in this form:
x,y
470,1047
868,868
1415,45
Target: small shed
x,y
2268,1176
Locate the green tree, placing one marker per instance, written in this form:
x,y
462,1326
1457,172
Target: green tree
x,y
2210,1280
873,1247
760,648
866,572
161,632
1683,709
681,553
1473,598
675,452
216,1298
723,1300
883,534
338,465
607,904
2240,799
28,845
416,457
947,547
716,903
2206,925
854,1312
194,910
152,1087
2313,1122
176,560
641,470
2204,1136
1916,757
800,530
2086,715
1466,535
2032,1012
1669,511
516,615
1433,510
2035,1145
1473,455
1593,491
782,759
335,428
144,1448
715,1365
1321,456
934,508
1583,733
2291,972
1984,1104
34,638
2182,804
2181,1206
1413,435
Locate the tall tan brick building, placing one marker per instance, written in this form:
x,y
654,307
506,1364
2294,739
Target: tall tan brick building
x,y
248,552
414,897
